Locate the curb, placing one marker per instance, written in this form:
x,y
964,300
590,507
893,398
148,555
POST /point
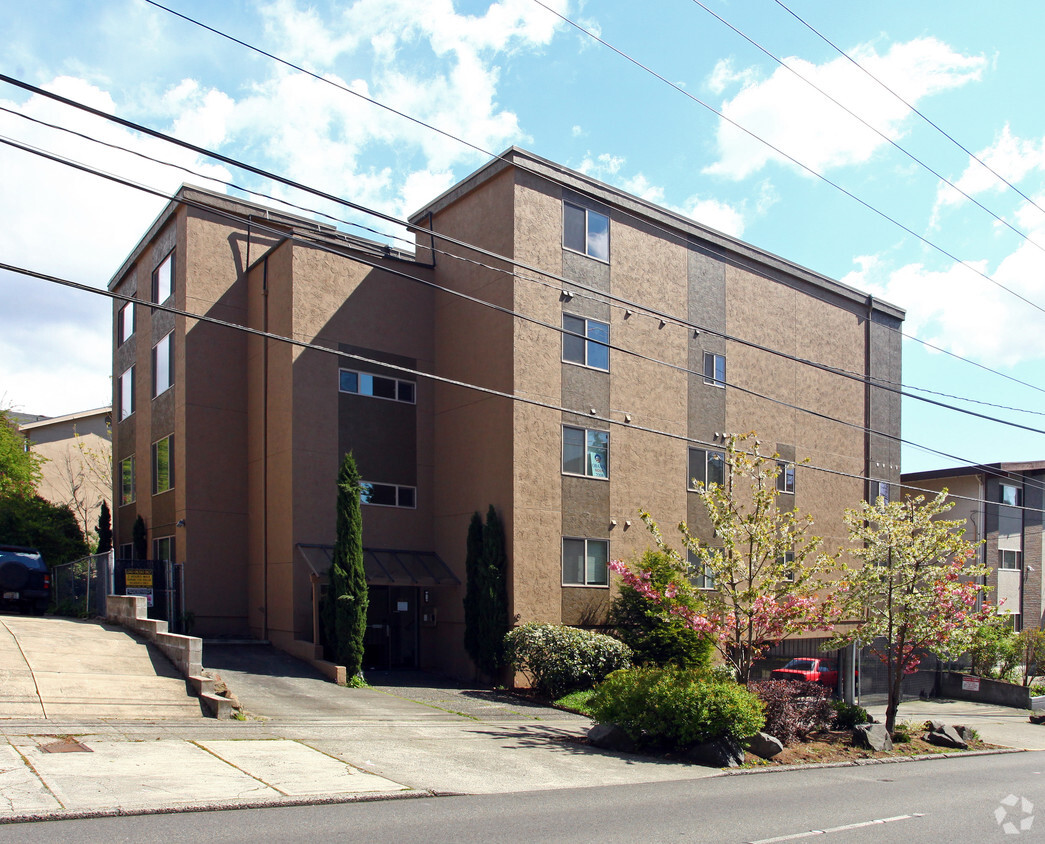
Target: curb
x,y
885,760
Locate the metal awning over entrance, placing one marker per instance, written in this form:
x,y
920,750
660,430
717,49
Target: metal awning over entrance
x,y
387,566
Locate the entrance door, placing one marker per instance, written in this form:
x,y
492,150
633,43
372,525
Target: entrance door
x,y
392,628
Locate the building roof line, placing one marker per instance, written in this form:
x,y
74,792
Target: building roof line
x,y
68,417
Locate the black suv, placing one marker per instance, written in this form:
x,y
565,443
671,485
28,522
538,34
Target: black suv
x,y
25,580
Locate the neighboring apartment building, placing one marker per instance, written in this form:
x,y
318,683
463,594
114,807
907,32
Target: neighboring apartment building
x,y
632,337
77,470
1003,505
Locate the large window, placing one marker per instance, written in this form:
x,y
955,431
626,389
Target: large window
x,y
125,390
378,386
163,280
125,324
700,576
389,495
585,341
1010,495
1010,559
585,452
706,467
785,480
127,481
714,369
584,562
162,366
587,231
163,465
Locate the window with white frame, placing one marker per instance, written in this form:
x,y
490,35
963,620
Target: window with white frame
x,y
883,490
714,369
163,549
585,452
787,562
1010,559
586,231
163,280
162,366
126,552
388,495
585,562
125,390
377,386
586,342
163,465
700,575
1010,495
785,479
125,323
706,466
127,481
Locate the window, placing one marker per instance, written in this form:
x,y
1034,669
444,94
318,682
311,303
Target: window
x,y
584,562
124,324
883,491
785,480
126,552
163,280
585,342
127,481
389,495
1010,559
714,369
585,452
706,467
163,549
1010,495
163,465
587,231
162,366
378,386
125,389
700,575
788,562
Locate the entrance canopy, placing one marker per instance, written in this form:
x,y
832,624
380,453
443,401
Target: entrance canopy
x,y
387,566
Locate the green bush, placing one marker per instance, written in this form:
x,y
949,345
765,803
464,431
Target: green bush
x,y
793,708
996,650
559,659
848,715
671,708
641,625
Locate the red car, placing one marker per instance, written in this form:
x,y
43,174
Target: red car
x,y
814,670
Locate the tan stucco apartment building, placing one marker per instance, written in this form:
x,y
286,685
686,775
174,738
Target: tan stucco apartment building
x,y
615,342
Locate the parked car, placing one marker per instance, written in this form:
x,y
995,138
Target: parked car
x,y
25,580
814,670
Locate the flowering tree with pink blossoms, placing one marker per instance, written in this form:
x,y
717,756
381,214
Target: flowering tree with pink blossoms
x,y
917,589
763,572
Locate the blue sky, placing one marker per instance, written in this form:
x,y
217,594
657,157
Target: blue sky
x,y
511,72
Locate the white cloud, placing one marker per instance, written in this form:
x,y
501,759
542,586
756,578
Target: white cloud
x,y
725,74
795,118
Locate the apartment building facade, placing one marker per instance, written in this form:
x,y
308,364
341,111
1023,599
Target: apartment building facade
x,y
554,347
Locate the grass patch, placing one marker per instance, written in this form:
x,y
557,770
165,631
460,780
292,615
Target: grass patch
x,y
576,701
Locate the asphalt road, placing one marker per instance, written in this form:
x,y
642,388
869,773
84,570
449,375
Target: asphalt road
x,y
945,800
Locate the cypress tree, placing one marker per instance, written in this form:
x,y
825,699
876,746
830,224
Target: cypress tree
x,y
104,529
493,613
140,539
474,586
347,595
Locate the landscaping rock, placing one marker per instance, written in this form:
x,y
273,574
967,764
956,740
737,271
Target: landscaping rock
x,y
611,737
873,736
722,752
947,736
934,726
764,745
967,733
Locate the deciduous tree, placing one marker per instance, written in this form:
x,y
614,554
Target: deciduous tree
x,y
19,466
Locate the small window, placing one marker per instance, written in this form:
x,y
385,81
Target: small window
x,y
586,231
163,280
125,390
125,323
586,342
1010,495
706,467
162,366
788,563
714,369
883,491
700,575
1010,560
377,386
163,549
785,479
127,481
126,552
389,495
163,465
585,562
585,452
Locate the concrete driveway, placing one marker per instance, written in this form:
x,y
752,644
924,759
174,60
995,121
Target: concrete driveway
x,y
58,668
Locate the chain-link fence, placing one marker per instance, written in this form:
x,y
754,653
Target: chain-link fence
x,y
78,589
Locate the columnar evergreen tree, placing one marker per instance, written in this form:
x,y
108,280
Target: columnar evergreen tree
x,y
104,529
486,597
140,539
347,596
474,586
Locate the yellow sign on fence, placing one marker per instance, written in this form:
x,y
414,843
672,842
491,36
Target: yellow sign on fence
x,y
138,577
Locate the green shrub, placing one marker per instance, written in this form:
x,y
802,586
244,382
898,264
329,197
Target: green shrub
x,y
642,626
794,708
902,732
671,708
996,650
848,715
559,659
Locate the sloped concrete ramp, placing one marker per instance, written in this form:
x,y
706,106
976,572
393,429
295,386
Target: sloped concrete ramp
x,y
57,668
